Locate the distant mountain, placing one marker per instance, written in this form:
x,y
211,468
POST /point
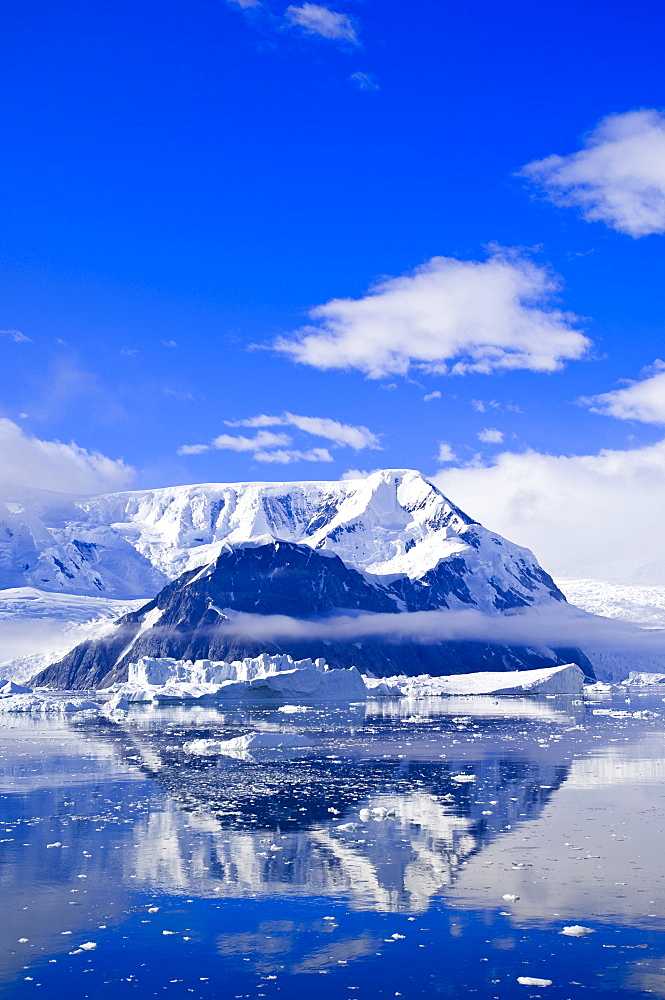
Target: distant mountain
x,y
388,543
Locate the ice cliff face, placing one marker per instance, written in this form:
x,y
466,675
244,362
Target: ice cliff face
x,y
393,524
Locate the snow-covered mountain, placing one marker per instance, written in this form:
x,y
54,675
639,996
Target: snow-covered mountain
x,y
389,543
391,524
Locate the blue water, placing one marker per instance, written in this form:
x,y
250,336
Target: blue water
x,y
224,877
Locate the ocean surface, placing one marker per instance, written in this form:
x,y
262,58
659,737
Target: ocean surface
x,y
429,848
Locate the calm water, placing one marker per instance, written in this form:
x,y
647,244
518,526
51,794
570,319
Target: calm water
x,y
258,877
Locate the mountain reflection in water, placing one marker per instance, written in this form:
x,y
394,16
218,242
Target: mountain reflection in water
x,y
399,809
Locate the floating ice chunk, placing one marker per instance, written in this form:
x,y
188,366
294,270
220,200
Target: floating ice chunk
x,y
463,778
378,814
117,703
577,930
532,981
567,679
348,827
88,946
40,704
292,709
250,741
510,897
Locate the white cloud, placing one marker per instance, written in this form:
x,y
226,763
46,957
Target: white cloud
x,y
643,401
554,624
245,4
431,395
286,456
230,442
16,336
598,516
618,179
491,436
52,465
354,474
268,446
318,20
264,439
364,81
446,453
356,437
448,316
193,449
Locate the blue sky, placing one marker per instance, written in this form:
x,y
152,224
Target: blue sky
x,y
184,183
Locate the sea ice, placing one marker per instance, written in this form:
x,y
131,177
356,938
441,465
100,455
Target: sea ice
x,y
532,981
577,930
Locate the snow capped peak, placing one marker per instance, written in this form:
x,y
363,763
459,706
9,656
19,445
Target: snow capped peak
x,y
393,523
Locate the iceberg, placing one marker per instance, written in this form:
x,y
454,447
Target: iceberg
x,y
640,678
567,679
164,680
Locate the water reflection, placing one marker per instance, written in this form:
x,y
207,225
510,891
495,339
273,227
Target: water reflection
x,y
398,807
